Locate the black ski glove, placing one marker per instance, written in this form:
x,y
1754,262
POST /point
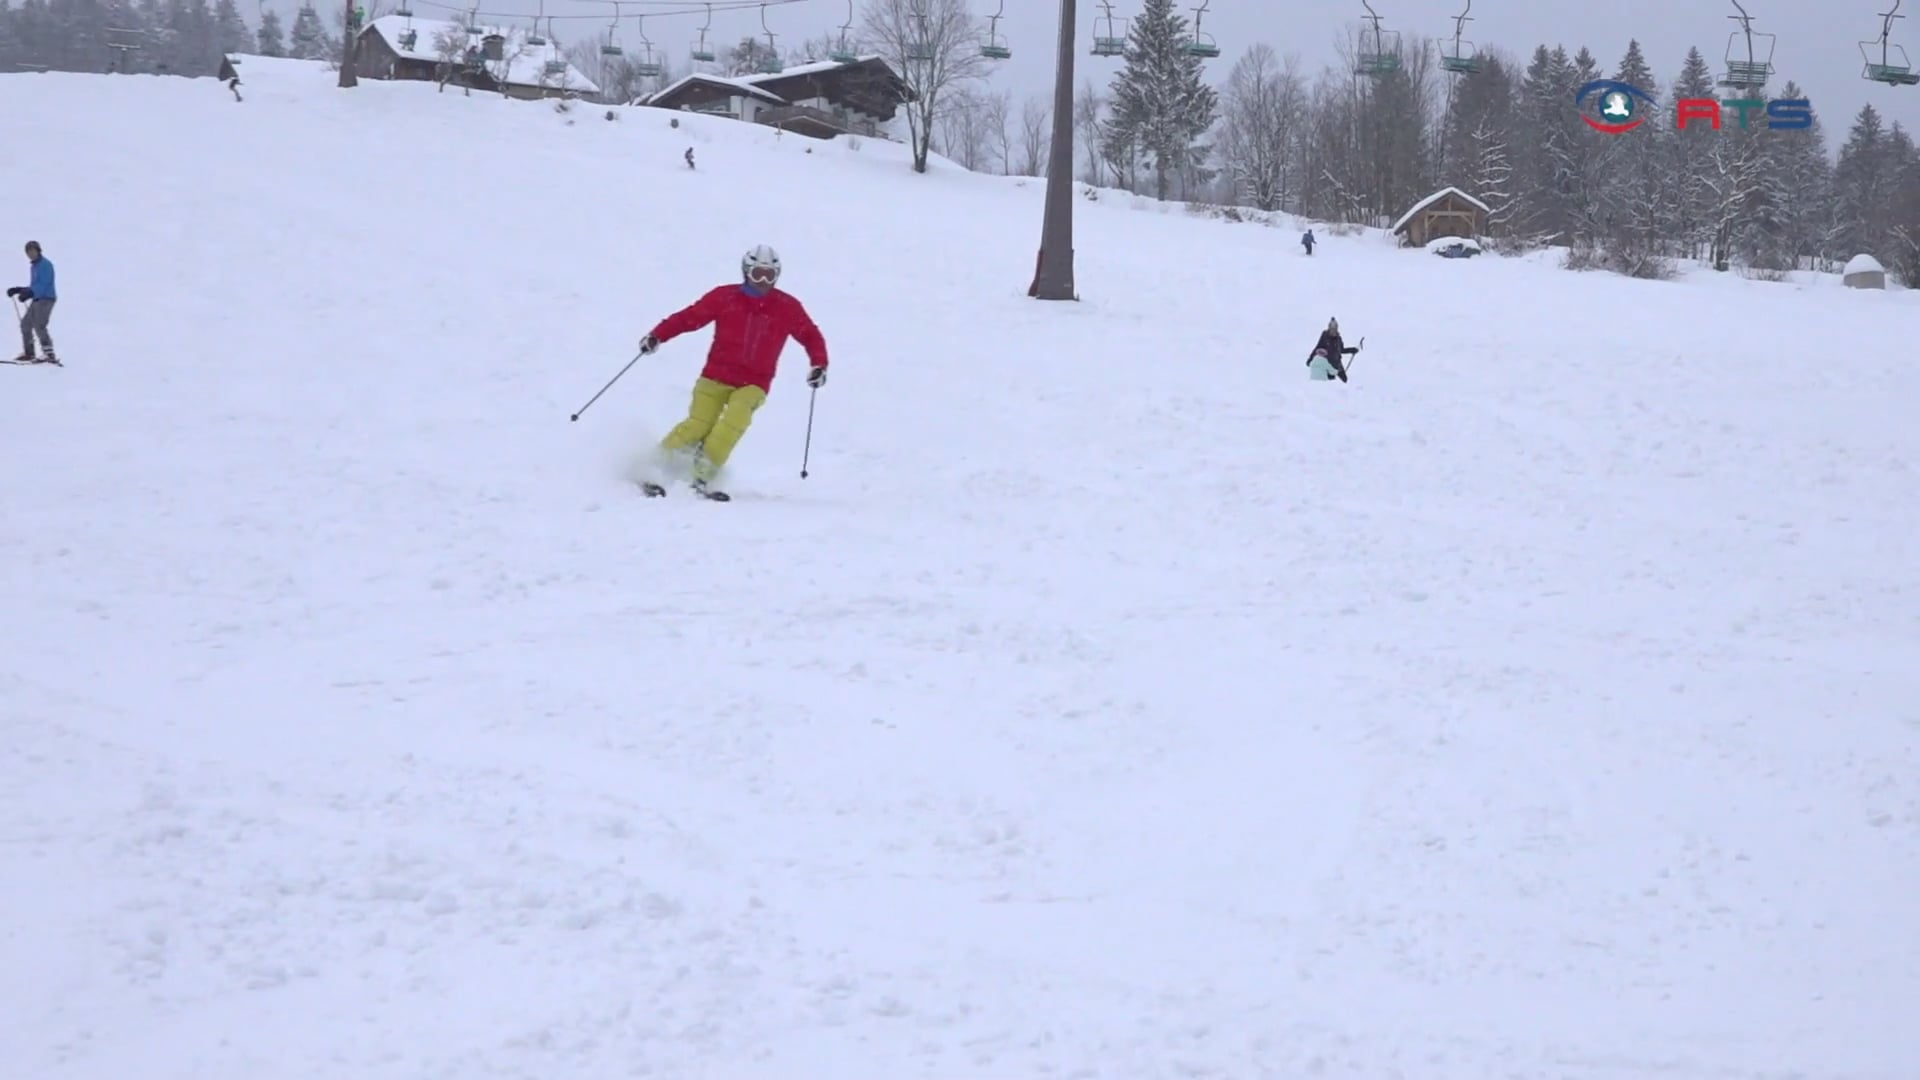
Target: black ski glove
x,y
817,377
20,292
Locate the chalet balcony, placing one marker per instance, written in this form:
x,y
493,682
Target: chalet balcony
x,y
816,123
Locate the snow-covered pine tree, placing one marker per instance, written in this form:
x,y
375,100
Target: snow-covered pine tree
x,y
1864,181
271,39
1903,211
1801,185
1634,183
1545,160
1161,102
309,38
229,30
1690,211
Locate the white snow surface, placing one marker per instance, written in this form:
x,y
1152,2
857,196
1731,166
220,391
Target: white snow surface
x,y
1110,701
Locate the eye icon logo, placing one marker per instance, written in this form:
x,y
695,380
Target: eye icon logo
x,y
1619,105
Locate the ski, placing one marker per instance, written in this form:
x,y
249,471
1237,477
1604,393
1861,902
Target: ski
x,y
34,363
658,491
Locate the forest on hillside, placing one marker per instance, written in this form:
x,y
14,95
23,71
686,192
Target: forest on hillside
x,y
1326,142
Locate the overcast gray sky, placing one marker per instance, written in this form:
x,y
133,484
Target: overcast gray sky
x,y
1817,40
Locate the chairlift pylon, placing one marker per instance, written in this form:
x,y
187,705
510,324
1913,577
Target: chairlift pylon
x,y
1200,44
1379,55
1892,67
1462,58
701,51
1109,43
995,47
843,51
1749,74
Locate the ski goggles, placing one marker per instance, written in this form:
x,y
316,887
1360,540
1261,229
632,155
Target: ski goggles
x,y
763,275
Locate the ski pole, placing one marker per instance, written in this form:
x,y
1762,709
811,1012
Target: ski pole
x,y
806,452
609,386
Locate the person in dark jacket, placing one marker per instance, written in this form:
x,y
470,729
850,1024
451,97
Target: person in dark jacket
x,y
39,294
1307,241
1326,360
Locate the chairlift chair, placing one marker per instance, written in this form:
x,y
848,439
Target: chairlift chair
x,y
1379,52
701,51
1461,58
1200,44
403,11
1109,43
648,65
995,47
555,68
535,39
769,63
1892,67
1751,73
843,51
408,38
920,46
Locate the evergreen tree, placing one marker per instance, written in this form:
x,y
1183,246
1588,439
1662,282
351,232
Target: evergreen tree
x,y
1691,162
1803,182
1546,165
1904,239
272,36
1161,102
309,41
1637,180
230,34
1864,181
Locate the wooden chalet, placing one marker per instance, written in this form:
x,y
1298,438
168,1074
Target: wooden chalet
x,y
1447,212
820,100
489,58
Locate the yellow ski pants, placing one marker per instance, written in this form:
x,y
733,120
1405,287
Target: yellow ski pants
x,y
716,419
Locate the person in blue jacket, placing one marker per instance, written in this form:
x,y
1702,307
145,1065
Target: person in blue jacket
x,y
39,295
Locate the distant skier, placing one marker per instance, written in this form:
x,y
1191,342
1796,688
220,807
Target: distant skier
x,y
1307,241
1327,352
751,324
689,157
40,295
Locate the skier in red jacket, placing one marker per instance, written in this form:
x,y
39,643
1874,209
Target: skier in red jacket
x,y
751,324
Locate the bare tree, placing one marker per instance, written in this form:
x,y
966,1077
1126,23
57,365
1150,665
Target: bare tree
x,y
934,45
1261,106
997,116
963,130
1035,133
1087,108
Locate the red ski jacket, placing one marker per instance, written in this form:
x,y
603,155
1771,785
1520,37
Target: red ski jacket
x,y
748,334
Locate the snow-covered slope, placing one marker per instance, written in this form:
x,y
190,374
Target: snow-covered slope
x,y
1110,702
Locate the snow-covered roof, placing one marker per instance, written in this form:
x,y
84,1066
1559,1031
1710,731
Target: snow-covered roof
x,y
1863,263
740,86
1434,198
818,67
526,65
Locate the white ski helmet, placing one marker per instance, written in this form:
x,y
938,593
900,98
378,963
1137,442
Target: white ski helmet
x,y
761,266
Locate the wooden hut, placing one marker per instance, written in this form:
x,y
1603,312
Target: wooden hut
x,y
1447,212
